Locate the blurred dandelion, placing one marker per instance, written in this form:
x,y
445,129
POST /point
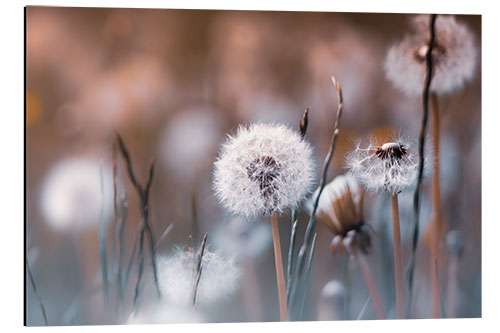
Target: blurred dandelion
x,y
164,312
177,275
70,198
454,57
332,303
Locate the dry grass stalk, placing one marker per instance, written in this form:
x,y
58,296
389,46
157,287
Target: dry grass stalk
x,y
363,265
199,268
144,227
306,245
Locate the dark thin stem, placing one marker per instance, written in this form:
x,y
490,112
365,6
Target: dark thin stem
x,y
194,217
140,262
143,194
299,269
37,294
121,243
418,190
199,268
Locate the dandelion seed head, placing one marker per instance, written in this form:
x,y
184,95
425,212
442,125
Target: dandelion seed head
x,y
454,57
177,275
391,166
263,169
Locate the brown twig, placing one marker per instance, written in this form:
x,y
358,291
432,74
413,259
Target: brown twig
x,y
365,269
199,268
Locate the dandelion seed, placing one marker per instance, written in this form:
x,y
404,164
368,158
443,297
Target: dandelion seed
x,y
454,57
262,170
177,274
392,166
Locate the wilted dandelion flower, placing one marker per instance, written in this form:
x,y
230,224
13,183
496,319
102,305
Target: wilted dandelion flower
x,y
454,57
392,166
263,169
177,276
340,209
71,194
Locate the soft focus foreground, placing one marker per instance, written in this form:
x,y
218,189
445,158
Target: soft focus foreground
x,y
173,83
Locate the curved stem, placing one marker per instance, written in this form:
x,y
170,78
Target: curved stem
x,y
398,266
280,276
363,265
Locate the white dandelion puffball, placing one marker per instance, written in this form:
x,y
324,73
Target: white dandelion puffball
x,y
454,57
392,166
177,275
71,194
263,169
164,312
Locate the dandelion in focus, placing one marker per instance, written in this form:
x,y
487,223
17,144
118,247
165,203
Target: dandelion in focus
x,y
177,276
71,198
390,167
454,57
265,169
340,210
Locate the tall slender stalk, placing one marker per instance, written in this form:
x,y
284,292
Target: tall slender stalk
x,y
398,265
436,207
363,265
280,276
421,145
199,268
308,237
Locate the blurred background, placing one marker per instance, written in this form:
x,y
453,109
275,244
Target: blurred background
x,y
173,83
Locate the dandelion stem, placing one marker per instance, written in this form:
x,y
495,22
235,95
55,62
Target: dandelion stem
x,y
436,205
398,267
443,312
363,265
293,233
421,146
280,276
